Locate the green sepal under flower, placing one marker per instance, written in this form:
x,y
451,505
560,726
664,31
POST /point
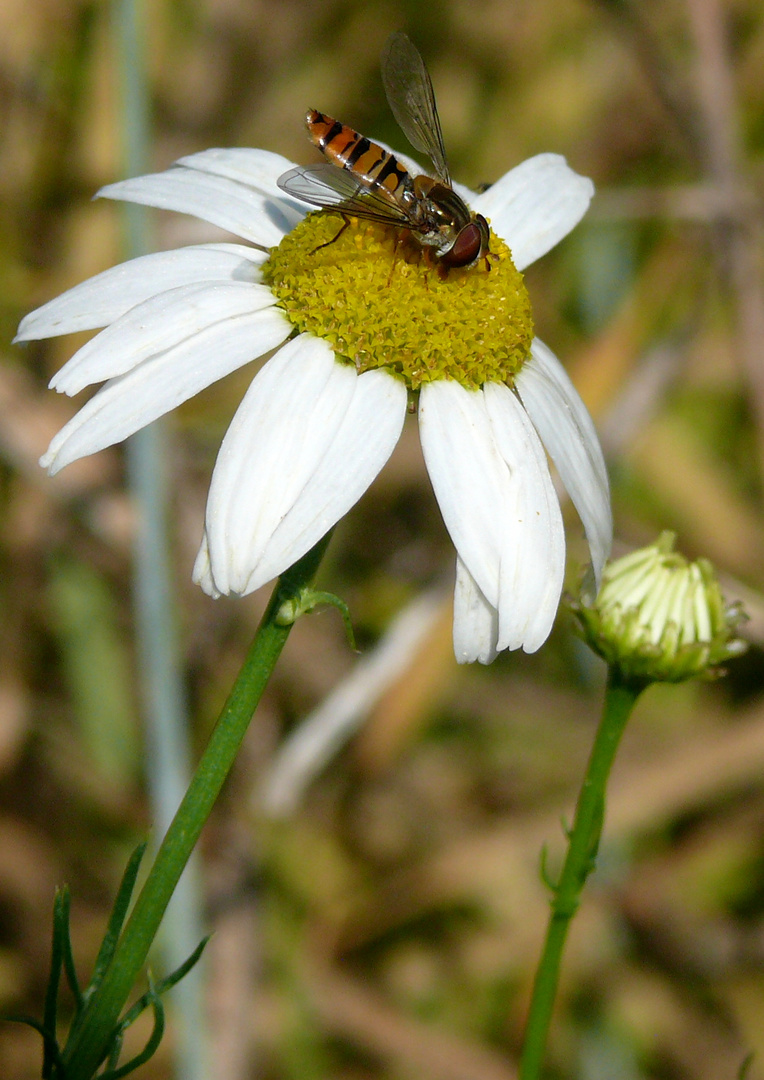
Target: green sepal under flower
x,y
660,618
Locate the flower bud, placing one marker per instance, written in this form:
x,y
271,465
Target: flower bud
x,y
660,618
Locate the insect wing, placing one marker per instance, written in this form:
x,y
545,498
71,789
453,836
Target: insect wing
x,y
409,92
332,188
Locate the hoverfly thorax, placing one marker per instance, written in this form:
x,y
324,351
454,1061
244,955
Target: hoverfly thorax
x,y
460,236
362,179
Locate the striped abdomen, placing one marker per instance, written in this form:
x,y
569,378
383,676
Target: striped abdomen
x,y
371,163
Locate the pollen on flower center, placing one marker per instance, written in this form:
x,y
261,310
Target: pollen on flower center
x,y
374,296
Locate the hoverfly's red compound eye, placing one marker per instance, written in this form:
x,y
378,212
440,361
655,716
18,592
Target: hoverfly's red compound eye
x,y
466,247
469,245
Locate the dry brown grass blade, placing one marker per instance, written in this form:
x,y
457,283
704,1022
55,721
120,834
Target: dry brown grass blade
x,y
739,232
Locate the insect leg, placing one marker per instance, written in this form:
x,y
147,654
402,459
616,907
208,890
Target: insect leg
x,y
327,243
395,256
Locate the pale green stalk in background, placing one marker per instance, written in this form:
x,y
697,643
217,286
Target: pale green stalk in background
x,y
167,752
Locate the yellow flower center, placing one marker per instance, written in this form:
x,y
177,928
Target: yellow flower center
x,y
375,297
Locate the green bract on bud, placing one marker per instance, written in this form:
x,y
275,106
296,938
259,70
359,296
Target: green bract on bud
x,y
660,618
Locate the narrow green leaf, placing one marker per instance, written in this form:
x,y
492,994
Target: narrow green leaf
x,y
117,917
116,1049
149,1049
111,937
50,1009
68,955
162,986
174,977
544,874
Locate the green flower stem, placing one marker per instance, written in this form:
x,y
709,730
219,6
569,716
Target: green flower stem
x,y
89,1043
583,843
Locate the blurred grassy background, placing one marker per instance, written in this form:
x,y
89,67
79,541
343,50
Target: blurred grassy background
x,y
390,927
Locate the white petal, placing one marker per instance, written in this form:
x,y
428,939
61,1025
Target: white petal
x,y
535,205
202,573
103,298
468,476
467,194
533,560
259,169
491,479
566,429
281,428
223,202
476,623
129,402
305,443
365,439
158,324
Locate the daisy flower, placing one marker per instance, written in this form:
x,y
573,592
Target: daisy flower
x,y
363,330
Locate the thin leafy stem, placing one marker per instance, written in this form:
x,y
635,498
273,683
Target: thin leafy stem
x,y
90,1041
583,845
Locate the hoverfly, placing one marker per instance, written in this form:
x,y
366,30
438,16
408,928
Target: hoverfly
x,y
362,179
